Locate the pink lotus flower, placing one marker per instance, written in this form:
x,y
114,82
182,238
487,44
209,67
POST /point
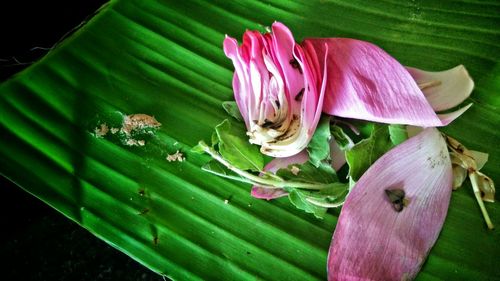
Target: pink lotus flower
x,y
378,237
394,213
362,82
278,88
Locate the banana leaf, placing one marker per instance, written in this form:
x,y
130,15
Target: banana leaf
x,y
165,58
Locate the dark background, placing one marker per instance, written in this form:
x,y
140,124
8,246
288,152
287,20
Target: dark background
x,y
37,242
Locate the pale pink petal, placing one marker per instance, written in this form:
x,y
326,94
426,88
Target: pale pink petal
x,y
273,167
241,83
372,241
364,82
267,193
444,89
337,155
278,92
447,118
309,112
284,46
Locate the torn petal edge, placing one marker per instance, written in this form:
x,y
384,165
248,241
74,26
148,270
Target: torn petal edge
x,y
447,118
444,89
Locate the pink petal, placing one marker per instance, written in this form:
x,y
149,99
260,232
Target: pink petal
x,y
444,89
372,241
275,83
364,82
274,166
447,118
283,48
337,155
268,193
241,83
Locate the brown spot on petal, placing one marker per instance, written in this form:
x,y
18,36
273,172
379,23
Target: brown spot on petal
x,y
298,97
295,64
267,124
397,199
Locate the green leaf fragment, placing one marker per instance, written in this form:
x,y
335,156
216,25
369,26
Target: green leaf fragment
x,y
332,197
343,140
235,148
231,107
398,134
319,147
299,199
214,139
367,151
324,174
218,169
198,149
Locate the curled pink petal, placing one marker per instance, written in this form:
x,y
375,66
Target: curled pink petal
x,y
278,91
267,193
447,118
364,82
273,167
337,155
372,240
444,89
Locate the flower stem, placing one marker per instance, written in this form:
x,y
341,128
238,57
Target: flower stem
x,y
275,182
475,186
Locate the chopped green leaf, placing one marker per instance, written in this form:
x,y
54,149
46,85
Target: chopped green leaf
x,y
342,139
398,134
308,173
198,149
333,192
319,148
218,169
365,128
299,199
367,151
330,197
235,148
231,107
214,139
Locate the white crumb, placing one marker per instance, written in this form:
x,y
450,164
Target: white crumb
x,y
101,131
177,156
137,122
134,142
226,201
295,170
131,126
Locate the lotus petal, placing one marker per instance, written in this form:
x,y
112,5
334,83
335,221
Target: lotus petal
x,y
372,240
337,155
364,82
279,90
447,118
444,89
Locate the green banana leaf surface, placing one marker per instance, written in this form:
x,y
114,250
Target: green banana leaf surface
x,y
165,59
